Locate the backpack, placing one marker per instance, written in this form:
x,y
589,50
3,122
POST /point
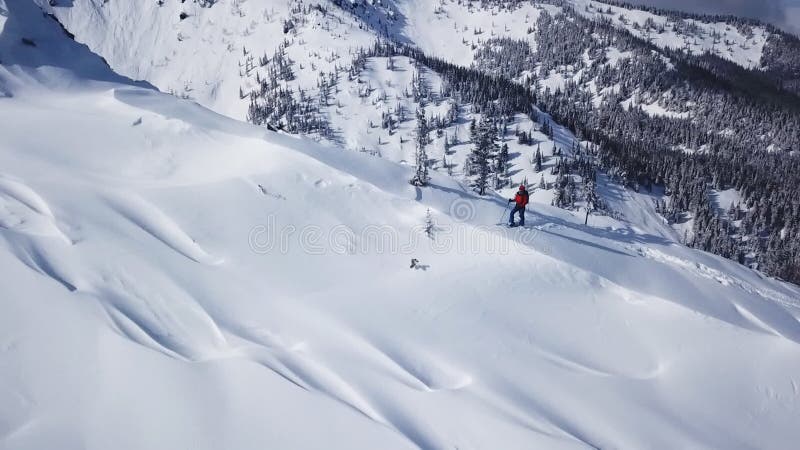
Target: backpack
x,y
525,197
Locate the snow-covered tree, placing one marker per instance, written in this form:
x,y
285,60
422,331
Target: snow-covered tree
x,y
484,148
421,176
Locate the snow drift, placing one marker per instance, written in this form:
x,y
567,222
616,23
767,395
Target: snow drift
x,y
172,278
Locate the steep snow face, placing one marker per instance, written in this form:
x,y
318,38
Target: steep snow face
x,y
209,53
33,40
743,46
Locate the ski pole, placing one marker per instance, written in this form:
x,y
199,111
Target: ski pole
x,y
505,213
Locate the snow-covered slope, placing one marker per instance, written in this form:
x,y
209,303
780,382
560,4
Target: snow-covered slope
x,y
218,54
172,278
208,53
213,55
469,24
34,40
742,45
139,290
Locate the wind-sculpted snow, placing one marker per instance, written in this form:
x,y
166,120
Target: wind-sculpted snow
x,y
24,211
154,222
129,271
174,279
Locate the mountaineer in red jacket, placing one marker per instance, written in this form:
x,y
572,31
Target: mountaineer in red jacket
x,y
521,201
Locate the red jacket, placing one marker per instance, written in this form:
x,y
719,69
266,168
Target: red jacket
x,y
521,199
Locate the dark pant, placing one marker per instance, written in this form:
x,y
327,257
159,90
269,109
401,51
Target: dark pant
x,y
521,211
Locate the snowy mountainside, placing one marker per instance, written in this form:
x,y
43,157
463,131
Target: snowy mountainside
x,y
218,55
173,278
310,47
472,23
32,39
742,45
467,25
476,29
361,108
212,53
612,86
136,268
202,52
207,53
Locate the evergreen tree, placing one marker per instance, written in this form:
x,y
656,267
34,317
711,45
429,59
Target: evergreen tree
x,y
538,159
483,151
430,226
421,176
501,167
